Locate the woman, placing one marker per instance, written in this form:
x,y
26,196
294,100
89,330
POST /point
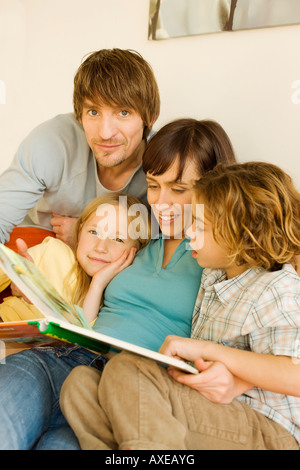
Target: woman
x,y
30,382
245,336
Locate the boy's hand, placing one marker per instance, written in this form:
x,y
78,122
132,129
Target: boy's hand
x,y
182,348
216,382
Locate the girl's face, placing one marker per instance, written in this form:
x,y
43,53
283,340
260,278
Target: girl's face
x,y
207,252
171,200
103,238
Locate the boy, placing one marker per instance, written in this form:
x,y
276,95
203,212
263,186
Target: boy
x,y
245,335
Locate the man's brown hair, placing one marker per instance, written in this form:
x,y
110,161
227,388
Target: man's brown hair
x,y
118,77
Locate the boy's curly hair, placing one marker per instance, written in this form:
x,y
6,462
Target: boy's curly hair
x,y
254,209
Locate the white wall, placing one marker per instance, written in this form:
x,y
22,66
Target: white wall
x,y
243,79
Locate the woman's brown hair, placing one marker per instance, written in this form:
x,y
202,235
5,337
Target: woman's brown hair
x,y
204,142
254,209
118,77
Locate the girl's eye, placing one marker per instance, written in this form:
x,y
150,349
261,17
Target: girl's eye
x,y
93,112
119,240
93,232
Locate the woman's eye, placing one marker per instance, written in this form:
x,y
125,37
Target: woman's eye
x,y
93,232
178,191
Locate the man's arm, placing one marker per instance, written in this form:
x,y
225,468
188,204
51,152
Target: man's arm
x,y
37,165
19,192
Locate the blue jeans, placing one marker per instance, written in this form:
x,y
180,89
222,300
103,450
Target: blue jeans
x,y
30,383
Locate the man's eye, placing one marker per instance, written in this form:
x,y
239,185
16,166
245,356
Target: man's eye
x,y
124,113
93,112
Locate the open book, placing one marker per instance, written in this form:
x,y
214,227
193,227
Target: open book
x,y
61,320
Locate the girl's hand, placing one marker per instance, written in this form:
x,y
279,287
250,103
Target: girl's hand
x,y
100,280
103,277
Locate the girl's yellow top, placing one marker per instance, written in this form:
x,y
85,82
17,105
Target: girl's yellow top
x,y
55,259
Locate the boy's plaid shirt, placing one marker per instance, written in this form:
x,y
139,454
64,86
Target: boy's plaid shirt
x,y
257,311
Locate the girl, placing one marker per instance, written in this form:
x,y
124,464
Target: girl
x,y
76,273
245,335
147,301
105,246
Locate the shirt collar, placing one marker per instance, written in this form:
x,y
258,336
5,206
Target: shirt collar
x,y
225,288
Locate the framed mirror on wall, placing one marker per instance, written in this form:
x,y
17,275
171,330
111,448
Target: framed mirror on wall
x,y
174,18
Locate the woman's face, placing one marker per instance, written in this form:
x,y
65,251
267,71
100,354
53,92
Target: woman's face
x,y
171,200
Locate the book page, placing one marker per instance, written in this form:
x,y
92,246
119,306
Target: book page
x,y
95,341
31,281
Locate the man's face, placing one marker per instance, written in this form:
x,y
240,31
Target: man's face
x,y
114,134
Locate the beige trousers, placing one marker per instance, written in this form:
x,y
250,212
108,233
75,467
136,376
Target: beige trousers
x,y
136,405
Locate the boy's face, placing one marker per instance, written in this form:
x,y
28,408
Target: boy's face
x,y
207,252
114,134
103,239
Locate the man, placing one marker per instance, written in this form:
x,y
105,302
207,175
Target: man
x,y
71,159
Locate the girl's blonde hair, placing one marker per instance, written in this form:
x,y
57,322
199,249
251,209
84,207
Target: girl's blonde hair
x,y
254,209
83,280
